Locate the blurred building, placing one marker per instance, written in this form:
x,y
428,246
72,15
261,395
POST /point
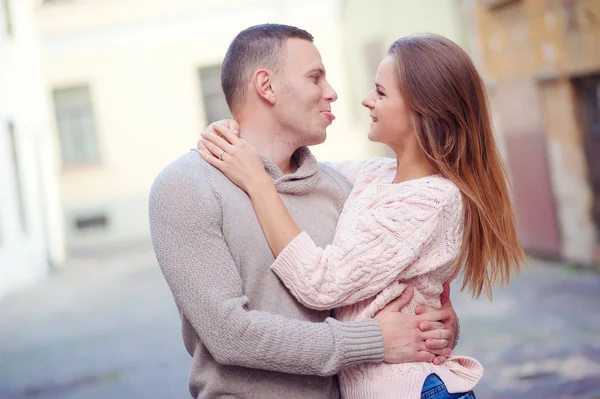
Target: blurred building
x,y
31,235
134,82
369,28
541,59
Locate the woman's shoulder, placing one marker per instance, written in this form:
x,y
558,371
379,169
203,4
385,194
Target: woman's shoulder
x,y
439,184
435,191
376,168
377,164
444,186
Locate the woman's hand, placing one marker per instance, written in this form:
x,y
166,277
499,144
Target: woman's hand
x,y
230,124
221,147
449,322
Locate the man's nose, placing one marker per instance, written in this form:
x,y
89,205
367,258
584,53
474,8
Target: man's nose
x,y
330,94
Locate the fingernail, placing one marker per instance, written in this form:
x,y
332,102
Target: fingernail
x,y
236,132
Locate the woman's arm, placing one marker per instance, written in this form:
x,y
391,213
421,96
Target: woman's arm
x,y
362,262
385,240
383,244
277,223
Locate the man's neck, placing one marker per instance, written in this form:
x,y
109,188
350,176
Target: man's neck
x,y
271,146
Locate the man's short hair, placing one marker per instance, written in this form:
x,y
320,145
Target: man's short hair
x,y
259,46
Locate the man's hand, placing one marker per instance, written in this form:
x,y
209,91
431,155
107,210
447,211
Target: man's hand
x,y
404,341
449,322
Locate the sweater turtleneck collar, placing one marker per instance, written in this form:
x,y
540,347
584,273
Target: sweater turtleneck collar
x,y
302,181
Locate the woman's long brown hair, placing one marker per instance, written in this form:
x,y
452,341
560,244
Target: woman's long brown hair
x,y
452,121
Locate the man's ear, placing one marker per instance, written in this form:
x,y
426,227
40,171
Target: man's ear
x,y
262,81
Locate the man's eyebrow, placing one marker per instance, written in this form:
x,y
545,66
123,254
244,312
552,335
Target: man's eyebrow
x,y
317,70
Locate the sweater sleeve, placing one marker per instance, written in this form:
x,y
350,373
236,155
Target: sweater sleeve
x,y
380,247
186,227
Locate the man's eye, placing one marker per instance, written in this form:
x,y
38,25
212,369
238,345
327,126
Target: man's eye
x,y
315,78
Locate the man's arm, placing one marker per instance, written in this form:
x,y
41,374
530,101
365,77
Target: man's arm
x,y
185,221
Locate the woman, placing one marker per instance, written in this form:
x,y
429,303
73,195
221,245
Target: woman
x,y
440,209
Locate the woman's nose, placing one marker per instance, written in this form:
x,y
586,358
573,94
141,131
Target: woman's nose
x,y
367,102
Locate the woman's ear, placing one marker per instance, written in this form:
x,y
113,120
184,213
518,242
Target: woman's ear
x,y
262,81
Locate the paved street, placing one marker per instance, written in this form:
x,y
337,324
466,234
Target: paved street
x,y
107,328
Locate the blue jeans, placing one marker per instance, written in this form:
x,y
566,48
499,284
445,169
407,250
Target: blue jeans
x,y
434,388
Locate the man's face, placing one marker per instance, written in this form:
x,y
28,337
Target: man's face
x,y
304,96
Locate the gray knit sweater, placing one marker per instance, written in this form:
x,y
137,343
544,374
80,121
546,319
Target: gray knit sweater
x,y
248,336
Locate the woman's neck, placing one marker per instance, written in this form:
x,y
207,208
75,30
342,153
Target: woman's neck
x,y
412,163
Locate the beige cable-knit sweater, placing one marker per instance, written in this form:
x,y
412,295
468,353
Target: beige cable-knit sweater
x,y
248,336
388,236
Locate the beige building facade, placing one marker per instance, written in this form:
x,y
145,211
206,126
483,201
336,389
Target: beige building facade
x,y
133,82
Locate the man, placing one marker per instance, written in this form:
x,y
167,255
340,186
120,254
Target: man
x,y
248,336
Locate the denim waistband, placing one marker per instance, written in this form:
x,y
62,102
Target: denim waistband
x,y
434,387
432,381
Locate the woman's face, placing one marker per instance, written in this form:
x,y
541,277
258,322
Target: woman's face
x,y
391,119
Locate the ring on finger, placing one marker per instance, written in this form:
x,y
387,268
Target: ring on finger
x,y
221,156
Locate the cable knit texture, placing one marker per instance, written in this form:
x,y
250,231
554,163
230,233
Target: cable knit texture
x,y
388,236
248,336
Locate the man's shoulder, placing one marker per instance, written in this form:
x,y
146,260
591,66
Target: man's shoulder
x,y
188,173
190,165
332,176
184,164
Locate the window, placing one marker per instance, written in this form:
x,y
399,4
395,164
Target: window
x,y
215,105
75,123
91,222
12,141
